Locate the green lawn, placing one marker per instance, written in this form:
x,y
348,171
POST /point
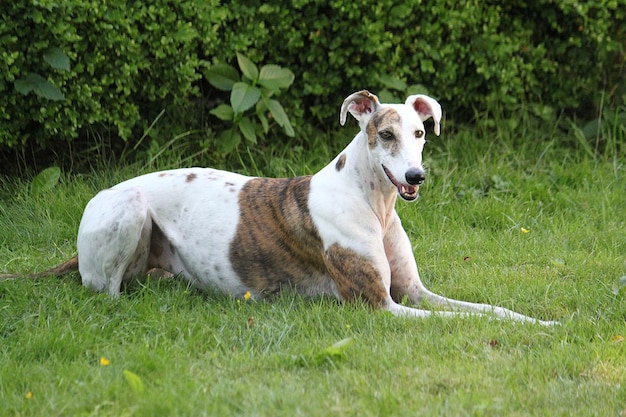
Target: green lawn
x,y
534,227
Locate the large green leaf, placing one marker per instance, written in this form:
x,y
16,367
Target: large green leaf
x,y
243,97
39,85
228,140
337,349
49,91
46,180
135,382
222,76
247,129
278,113
247,67
57,59
330,355
223,112
275,77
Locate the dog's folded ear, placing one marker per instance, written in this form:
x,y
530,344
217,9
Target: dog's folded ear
x,y
361,105
426,107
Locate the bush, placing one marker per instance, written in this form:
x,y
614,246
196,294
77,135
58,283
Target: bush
x,y
128,61
471,55
132,60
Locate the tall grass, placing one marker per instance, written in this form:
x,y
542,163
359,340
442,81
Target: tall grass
x,y
507,216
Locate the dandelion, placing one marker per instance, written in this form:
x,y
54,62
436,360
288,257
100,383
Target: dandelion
x,y
247,296
524,230
28,395
104,361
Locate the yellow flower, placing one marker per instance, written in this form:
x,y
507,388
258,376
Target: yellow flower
x,y
28,395
247,296
524,230
104,361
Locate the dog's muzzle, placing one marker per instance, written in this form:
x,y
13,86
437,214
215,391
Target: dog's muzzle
x,y
414,178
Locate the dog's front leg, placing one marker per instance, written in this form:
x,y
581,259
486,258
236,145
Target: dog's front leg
x,y
405,280
366,277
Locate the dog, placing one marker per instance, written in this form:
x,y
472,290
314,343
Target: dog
x,y
335,233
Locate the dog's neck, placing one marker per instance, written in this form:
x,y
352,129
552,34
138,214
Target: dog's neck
x,y
364,175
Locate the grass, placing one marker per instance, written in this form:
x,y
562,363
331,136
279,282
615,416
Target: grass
x,y
521,223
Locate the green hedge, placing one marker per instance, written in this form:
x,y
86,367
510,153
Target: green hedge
x,y
469,54
129,60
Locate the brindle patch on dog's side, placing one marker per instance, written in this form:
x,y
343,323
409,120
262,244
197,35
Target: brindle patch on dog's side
x,y
276,243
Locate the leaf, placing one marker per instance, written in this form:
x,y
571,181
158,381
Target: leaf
x,y
329,355
46,180
275,77
25,85
280,116
247,130
57,59
392,82
247,67
243,97
29,83
49,91
228,140
223,112
337,349
135,382
38,84
386,96
416,89
222,76
260,112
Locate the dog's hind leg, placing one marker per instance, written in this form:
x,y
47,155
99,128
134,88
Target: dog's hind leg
x,y
114,239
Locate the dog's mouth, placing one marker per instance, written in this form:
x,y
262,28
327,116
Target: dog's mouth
x,y
406,191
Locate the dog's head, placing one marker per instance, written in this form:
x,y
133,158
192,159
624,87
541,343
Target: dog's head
x,y
395,136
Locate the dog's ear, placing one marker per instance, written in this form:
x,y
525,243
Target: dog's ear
x,y
426,108
361,105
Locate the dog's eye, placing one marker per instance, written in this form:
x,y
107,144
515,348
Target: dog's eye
x,y
385,134
419,133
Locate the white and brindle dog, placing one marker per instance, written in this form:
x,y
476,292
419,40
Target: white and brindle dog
x,y
336,232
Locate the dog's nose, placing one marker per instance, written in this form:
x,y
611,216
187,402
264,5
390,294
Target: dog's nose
x,y
415,176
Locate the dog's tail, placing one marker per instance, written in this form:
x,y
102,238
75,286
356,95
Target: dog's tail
x,y
58,271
